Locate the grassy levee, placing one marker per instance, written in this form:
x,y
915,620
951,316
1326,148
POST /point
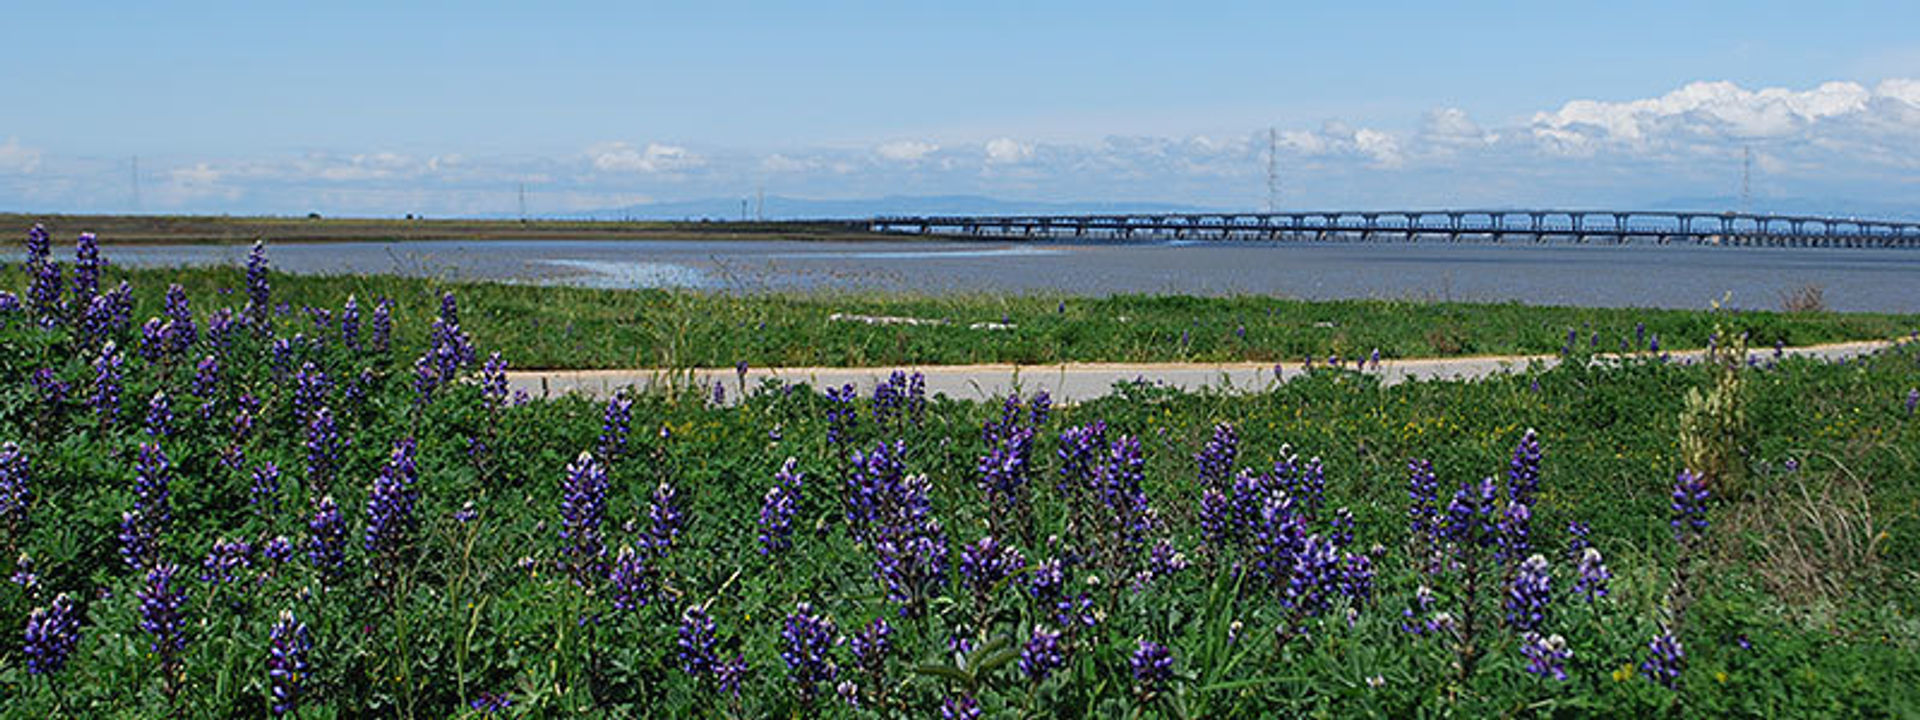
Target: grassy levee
x,y
246,229
540,327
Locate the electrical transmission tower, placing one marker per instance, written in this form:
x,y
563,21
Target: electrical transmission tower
x,y
1273,170
1746,179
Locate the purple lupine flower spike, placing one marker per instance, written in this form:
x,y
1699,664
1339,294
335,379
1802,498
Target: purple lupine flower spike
x,y
327,540
16,490
1152,667
162,615
807,643
52,633
1666,657
1523,471
288,644
696,642
1546,656
1529,594
583,508
259,308
1690,496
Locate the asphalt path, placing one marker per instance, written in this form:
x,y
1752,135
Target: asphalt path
x,y
1074,382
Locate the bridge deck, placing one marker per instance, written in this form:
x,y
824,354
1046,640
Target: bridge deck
x,y
1739,229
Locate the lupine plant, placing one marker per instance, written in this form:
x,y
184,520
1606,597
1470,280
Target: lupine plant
x,y
293,518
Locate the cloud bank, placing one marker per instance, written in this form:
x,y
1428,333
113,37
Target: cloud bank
x,y
1839,139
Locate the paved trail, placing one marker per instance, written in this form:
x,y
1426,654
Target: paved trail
x,y
1073,382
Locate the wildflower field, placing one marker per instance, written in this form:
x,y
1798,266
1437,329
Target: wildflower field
x,y
236,507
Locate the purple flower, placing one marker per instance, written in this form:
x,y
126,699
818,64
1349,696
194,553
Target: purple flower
x,y
287,646
153,477
1529,594
87,266
1913,399
326,447
960,707
1003,470
986,563
777,509
1523,470
727,675
666,518
278,550
159,416
16,490
327,540
489,703
631,579
871,646
1513,533
1152,667
1666,657
310,388
265,493
52,633
382,326
390,507
139,540
1593,575
220,330
696,642
614,426
182,333
807,643
52,391
1215,459
1466,519
106,384
39,245
259,291
1042,654
350,324
43,295
493,382
226,557
162,601
1546,656
1689,507
153,341
583,508
842,418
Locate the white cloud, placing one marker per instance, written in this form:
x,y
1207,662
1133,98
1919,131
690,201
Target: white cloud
x,y
905,150
17,159
1714,110
655,158
1008,150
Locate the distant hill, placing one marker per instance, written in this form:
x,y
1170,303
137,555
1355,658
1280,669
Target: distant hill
x,y
786,208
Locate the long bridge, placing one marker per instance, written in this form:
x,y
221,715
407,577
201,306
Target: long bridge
x,y
1579,226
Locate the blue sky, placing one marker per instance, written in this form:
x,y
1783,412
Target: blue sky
x,y
445,108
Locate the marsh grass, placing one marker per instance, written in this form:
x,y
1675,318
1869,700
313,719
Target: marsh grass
x,y
543,327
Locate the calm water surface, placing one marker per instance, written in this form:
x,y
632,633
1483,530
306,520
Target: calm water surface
x,y
1634,275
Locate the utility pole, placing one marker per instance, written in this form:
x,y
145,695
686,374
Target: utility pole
x,y
1273,170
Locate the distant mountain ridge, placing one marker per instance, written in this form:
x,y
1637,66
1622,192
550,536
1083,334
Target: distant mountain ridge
x,y
787,208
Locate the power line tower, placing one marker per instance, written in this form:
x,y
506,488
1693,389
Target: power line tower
x,y
523,202
134,176
1746,179
760,203
1273,170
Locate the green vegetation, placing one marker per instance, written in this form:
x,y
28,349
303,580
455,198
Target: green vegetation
x,y
559,327
478,562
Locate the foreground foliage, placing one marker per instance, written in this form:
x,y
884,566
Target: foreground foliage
x,y
311,512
